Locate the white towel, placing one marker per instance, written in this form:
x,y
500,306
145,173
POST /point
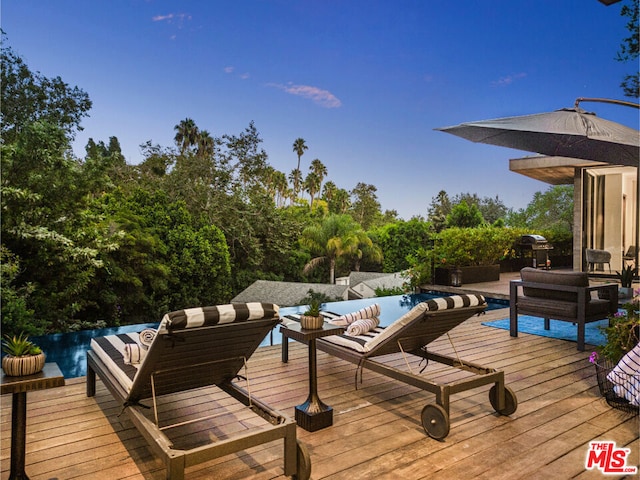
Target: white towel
x,y
625,376
372,311
146,337
362,326
133,353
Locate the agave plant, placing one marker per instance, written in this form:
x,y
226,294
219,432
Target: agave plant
x,y
626,276
314,308
19,346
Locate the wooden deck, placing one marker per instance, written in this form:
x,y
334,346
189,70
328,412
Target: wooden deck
x,y
376,432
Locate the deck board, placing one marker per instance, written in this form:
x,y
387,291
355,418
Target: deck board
x,y
377,431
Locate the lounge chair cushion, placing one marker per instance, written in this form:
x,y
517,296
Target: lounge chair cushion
x,y
370,340
111,350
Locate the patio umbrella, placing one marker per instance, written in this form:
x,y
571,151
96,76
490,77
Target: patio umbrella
x,y
569,132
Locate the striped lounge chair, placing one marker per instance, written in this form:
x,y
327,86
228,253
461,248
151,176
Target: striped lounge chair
x,y
194,348
410,334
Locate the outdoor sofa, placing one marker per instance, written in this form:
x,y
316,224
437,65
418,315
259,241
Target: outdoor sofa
x,y
560,295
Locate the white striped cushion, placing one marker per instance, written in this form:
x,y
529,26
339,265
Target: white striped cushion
x,y
110,350
625,376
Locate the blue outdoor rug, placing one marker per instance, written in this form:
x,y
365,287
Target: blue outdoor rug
x,y
560,330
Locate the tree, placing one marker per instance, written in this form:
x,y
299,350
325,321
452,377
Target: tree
x,y
186,134
320,170
401,239
28,97
439,208
299,147
549,210
281,187
492,209
295,177
17,317
312,186
328,191
340,202
629,49
336,237
464,215
366,251
166,260
206,144
365,206
44,194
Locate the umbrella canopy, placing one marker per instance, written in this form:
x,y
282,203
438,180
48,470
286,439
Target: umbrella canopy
x,y
569,132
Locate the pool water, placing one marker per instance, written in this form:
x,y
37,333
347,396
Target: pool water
x,y
68,350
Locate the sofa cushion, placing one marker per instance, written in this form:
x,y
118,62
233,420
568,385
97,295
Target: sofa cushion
x,y
571,279
550,308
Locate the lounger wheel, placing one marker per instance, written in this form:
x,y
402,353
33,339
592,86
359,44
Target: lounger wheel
x,y
510,400
435,421
304,462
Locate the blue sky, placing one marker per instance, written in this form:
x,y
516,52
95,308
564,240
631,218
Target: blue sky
x,y
364,82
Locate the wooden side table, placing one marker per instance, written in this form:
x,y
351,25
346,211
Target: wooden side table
x,y
313,414
49,377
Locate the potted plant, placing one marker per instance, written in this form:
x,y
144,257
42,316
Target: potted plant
x,y
626,279
22,357
311,318
622,335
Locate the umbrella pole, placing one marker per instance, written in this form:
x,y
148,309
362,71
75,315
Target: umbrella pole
x,y
605,100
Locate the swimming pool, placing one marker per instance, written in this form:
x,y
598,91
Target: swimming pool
x,y
68,350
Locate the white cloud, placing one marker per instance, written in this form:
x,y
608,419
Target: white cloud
x,y
229,69
160,18
508,80
244,76
180,18
321,97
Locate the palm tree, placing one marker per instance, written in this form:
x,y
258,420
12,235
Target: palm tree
x,y
337,236
340,201
328,191
366,249
280,186
295,177
186,134
205,144
319,169
312,186
299,146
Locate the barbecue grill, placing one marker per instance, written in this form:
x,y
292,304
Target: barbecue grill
x,y
537,248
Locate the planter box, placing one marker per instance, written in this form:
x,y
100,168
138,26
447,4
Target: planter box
x,y
475,274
